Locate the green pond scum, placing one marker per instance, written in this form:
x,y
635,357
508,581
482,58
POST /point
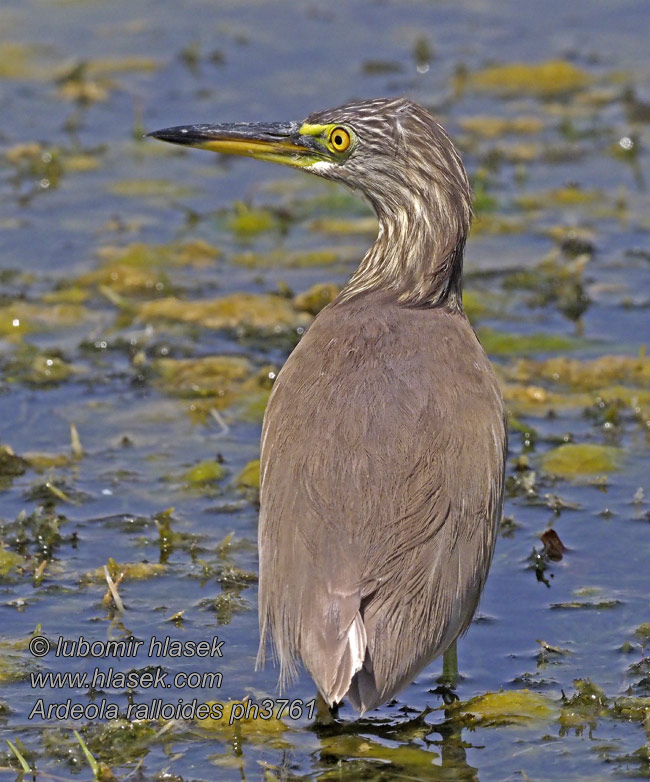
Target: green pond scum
x,y
149,296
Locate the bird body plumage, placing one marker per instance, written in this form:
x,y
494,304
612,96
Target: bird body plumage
x,y
384,440
376,529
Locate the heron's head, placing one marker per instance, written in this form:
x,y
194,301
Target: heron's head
x,y
392,150
397,155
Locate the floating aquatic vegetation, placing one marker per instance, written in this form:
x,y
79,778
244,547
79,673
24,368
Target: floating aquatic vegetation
x,y
9,561
487,223
15,660
496,127
381,67
127,280
283,259
11,466
259,312
23,317
34,162
509,707
586,605
631,709
544,79
217,383
502,343
140,269
559,198
25,61
583,709
253,406
555,281
364,226
36,368
344,749
150,188
205,376
591,384
247,221
243,718
203,475
573,240
131,571
118,741
575,459
192,254
316,298
586,375
249,477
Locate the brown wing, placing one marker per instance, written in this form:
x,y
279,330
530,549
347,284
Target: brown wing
x,y
382,476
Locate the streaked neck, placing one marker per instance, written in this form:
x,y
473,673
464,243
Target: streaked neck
x,y
418,254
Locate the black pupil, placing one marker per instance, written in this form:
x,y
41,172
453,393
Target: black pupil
x,y
338,139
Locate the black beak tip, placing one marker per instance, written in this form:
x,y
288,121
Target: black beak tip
x,y
159,134
179,135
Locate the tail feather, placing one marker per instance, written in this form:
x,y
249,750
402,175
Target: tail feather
x,y
350,662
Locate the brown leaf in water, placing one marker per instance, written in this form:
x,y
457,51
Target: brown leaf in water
x,y
553,546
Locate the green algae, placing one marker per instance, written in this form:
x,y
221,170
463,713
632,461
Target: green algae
x,y
585,708
474,304
491,224
401,757
204,473
9,561
24,61
586,375
247,221
509,707
602,386
117,741
249,477
127,280
15,665
206,376
340,226
316,298
573,459
33,161
250,725
140,269
11,466
22,317
282,259
252,406
559,197
495,127
544,79
631,709
642,632
162,189
126,571
502,344
217,383
37,368
261,312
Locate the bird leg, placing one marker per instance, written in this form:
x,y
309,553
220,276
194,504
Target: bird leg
x,y
450,677
325,714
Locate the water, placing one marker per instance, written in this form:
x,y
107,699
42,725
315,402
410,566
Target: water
x,y
79,83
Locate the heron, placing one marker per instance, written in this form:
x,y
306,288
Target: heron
x,y
384,440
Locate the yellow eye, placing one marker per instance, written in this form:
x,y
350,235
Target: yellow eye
x,y
339,139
